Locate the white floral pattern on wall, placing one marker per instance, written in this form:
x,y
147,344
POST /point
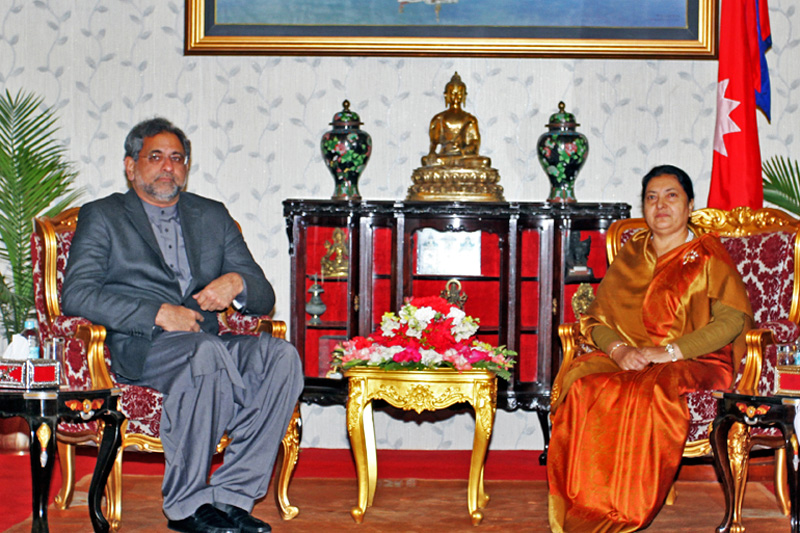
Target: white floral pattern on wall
x,y
255,125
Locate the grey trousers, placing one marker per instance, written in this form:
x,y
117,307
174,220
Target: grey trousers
x,y
247,386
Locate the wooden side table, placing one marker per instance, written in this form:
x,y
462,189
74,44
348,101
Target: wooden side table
x,y
42,409
418,390
752,410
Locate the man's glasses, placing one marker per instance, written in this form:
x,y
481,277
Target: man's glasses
x,y
157,158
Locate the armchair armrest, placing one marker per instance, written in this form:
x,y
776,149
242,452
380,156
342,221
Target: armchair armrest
x,y
85,358
785,331
571,344
94,338
758,373
757,341
238,324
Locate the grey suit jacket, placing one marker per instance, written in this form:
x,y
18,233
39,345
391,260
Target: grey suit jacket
x,y
116,275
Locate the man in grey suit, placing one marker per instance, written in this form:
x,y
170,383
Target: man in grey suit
x,y
154,266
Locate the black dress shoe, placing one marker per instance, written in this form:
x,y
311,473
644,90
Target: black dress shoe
x,y
246,522
206,519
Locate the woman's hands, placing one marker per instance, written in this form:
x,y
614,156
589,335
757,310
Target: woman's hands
x,y
632,358
627,357
659,354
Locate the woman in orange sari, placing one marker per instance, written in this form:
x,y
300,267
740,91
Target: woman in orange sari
x,y
669,318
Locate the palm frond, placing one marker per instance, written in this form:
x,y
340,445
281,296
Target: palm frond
x,y
782,183
35,179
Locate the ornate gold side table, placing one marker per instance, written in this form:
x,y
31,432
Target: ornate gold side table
x,y
418,390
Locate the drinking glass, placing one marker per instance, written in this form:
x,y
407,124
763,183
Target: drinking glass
x,y
54,349
785,354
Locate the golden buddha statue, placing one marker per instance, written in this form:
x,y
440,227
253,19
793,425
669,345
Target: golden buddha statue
x,y
456,171
456,132
336,262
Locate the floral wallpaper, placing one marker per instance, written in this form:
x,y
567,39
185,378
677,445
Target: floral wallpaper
x,y
256,123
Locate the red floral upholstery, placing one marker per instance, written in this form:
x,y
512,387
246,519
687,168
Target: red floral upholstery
x,y
766,263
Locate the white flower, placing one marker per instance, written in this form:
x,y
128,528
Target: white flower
x,y
466,329
425,314
417,318
389,324
383,354
430,357
457,315
407,313
412,332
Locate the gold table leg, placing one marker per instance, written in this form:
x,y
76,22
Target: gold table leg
x,y
418,391
484,422
361,428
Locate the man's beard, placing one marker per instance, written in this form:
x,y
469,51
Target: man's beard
x,y
162,195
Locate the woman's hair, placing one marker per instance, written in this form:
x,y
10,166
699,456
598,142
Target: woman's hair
x,y
663,170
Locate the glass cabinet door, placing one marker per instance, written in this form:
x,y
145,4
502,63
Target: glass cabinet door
x,y
584,266
326,280
463,264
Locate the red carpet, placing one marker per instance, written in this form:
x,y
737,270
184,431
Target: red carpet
x,y
15,481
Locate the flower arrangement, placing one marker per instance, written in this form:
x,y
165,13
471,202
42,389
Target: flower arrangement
x,y
426,333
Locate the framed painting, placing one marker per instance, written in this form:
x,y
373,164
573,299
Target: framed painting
x,y
489,28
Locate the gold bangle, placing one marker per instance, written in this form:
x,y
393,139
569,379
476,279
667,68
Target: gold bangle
x,y
611,353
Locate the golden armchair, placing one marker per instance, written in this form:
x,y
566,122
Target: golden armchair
x,y
765,246
87,366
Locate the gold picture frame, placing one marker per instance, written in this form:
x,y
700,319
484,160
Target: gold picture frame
x,y
694,38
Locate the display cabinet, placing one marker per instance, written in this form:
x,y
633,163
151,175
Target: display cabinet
x,y
516,266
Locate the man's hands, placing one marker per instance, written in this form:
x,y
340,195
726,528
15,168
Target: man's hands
x,y
219,294
215,296
172,317
631,358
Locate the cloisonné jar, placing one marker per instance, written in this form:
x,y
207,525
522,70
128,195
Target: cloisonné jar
x,y
346,149
562,151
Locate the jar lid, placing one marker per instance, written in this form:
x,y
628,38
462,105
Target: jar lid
x,y
562,118
345,117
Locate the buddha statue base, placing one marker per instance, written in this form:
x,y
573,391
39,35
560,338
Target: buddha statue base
x,y
445,183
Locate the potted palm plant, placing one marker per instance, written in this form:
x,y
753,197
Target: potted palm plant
x,y
35,180
782,183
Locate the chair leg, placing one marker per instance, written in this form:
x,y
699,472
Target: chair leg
x,y
782,482
114,494
672,495
739,457
287,460
66,460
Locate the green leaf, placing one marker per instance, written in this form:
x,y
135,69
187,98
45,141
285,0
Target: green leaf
x,y
35,180
781,182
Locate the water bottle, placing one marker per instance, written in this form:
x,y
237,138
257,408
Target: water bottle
x,y
31,333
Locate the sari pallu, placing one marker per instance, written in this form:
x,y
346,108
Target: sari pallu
x,y
618,436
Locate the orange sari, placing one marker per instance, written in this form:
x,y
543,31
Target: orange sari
x,y
618,436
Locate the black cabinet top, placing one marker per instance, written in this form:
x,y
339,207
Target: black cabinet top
x,y
311,207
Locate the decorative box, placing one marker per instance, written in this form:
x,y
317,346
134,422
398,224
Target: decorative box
x,y
29,374
788,381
